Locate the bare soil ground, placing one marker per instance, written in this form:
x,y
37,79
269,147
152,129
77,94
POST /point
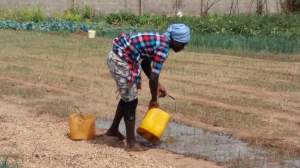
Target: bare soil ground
x,y
40,140
257,100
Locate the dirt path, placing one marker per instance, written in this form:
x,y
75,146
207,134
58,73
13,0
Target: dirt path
x,y
39,140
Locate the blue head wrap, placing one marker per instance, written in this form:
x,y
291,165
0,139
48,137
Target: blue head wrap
x,y
179,33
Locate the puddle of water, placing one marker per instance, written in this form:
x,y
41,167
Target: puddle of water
x,y
292,163
191,141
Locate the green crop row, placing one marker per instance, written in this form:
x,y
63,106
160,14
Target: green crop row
x,y
244,44
247,25
249,33
23,15
199,41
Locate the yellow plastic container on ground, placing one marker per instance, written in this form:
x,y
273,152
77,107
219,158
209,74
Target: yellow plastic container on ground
x,y
82,126
154,124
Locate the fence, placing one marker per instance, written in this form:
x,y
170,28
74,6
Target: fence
x,y
169,7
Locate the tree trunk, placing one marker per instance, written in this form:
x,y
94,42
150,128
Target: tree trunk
x,y
209,5
293,5
201,12
234,7
259,7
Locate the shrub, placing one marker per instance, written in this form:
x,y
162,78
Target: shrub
x,y
5,163
248,25
77,14
25,14
270,33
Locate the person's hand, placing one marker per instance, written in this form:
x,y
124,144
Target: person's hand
x,y
153,104
161,91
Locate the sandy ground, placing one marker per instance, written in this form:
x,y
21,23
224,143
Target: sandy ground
x,y
40,140
256,100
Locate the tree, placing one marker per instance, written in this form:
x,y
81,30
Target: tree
x,y
178,6
294,5
261,6
290,6
234,7
206,5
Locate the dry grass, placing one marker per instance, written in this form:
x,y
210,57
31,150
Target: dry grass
x,y
254,98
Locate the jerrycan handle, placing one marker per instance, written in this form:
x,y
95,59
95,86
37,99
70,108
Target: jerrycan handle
x,y
78,111
171,97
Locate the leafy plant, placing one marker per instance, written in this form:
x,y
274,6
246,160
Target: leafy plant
x,y
25,14
200,41
87,12
253,33
78,14
248,25
70,15
5,163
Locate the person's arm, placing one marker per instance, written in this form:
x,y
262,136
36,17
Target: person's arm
x,y
153,84
146,66
153,81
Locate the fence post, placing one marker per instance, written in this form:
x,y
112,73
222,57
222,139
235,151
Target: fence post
x,y
126,5
201,9
176,7
141,10
73,3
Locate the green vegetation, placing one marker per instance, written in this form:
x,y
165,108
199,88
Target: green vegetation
x,y
244,44
77,14
235,33
23,15
248,25
5,163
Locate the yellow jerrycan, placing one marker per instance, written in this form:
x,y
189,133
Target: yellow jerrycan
x,y
154,124
82,126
